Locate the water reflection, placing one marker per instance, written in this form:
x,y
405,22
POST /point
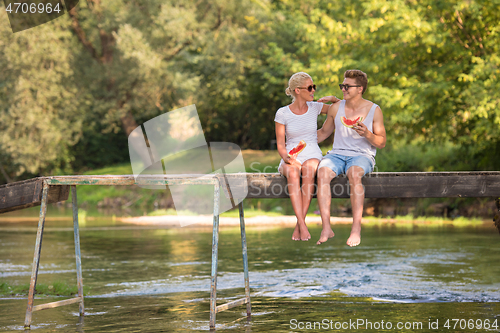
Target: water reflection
x,y
155,279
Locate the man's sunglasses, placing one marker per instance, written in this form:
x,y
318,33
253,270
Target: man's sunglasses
x,y
346,86
310,88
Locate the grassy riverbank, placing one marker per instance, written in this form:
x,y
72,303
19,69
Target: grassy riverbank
x,y
57,288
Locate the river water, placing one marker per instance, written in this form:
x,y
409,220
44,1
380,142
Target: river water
x,y
404,277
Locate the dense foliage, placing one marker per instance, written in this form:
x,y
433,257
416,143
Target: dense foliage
x,y
72,89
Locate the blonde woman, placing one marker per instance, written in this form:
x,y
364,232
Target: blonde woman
x,y
295,122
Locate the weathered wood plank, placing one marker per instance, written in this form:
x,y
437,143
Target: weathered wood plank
x,y
146,180
57,304
434,185
386,185
270,185
377,184
20,194
92,180
231,305
28,193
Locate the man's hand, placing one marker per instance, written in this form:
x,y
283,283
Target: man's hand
x,y
361,129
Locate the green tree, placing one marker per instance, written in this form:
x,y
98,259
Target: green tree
x,y
119,63
40,117
72,90
433,66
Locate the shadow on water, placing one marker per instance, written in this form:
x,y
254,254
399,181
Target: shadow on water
x,y
153,279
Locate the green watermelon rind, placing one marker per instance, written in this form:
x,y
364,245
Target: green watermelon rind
x,y
357,120
301,144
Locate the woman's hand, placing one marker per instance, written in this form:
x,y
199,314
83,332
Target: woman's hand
x,y
326,99
291,160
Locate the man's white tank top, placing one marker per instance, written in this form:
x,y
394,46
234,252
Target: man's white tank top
x,y
349,143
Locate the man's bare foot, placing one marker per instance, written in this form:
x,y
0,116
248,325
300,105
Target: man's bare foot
x,y
325,235
296,233
354,239
304,232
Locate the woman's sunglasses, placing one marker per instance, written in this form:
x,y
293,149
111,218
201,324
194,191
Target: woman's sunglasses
x,y
310,88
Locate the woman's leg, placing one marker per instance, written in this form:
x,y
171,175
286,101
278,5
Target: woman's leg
x,y
309,168
292,174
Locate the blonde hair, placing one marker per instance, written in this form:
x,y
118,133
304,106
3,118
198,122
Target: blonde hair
x,y
360,77
296,80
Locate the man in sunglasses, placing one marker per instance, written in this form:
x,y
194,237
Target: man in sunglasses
x,y
353,151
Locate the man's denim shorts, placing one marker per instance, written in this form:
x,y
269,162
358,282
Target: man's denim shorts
x,y
340,163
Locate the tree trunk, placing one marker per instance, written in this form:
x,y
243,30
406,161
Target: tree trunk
x,y
128,123
5,175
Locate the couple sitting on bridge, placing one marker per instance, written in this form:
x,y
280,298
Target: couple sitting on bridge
x,y
353,151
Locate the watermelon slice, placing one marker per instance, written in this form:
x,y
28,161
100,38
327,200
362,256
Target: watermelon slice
x,y
350,123
300,147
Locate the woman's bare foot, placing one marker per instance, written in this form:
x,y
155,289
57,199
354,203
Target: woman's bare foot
x,y
354,239
304,232
296,233
325,235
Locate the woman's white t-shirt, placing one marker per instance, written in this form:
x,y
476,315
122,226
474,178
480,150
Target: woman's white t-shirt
x,y
301,127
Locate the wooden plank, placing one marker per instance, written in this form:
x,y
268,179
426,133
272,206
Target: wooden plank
x,y
433,185
28,193
21,193
146,180
231,305
377,184
385,185
92,180
56,304
270,185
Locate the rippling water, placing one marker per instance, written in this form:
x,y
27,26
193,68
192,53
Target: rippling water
x,y
149,279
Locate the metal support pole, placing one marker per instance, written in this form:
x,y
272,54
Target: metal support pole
x,y
36,256
215,246
79,279
245,260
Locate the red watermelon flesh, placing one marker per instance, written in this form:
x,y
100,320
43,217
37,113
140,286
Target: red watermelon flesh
x,y
350,123
297,149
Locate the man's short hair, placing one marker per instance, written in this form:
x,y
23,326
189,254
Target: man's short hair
x,y
360,77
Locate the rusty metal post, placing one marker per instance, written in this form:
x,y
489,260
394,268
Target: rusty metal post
x,y
215,258
79,279
36,256
245,260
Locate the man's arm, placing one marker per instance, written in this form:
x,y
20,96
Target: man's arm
x,y
378,137
378,129
329,125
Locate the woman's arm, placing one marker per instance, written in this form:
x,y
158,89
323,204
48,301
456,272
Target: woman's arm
x,y
329,125
280,143
326,99
327,129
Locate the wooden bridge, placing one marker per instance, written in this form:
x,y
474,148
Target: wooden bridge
x,y
44,190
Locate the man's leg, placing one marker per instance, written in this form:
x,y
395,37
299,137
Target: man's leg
x,y
325,176
355,174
